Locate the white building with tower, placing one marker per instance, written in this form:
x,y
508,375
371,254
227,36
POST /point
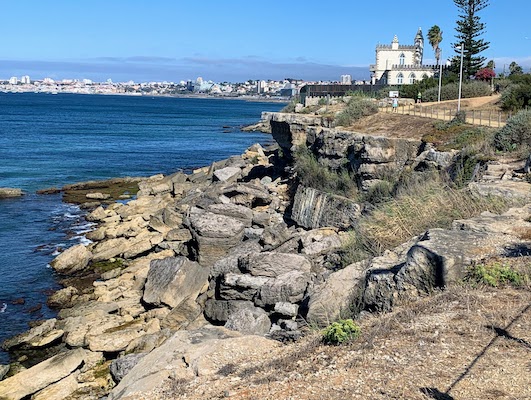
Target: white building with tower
x,y
398,64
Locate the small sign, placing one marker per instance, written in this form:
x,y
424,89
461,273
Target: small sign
x,y
393,93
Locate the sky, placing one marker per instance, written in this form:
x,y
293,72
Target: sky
x,y
234,40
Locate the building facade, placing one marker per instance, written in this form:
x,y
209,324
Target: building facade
x,y
398,64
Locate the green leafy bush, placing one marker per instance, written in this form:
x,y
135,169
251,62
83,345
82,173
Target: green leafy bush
x,y
494,274
516,97
451,91
315,175
290,107
516,134
356,108
341,331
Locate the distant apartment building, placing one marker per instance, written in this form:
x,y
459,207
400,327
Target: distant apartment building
x,y
346,79
398,64
25,80
13,80
48,81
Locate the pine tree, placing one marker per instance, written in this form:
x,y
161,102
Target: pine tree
x,y
469,29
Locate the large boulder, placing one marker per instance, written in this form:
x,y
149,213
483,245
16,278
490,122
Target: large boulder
x,y
337,295
249,321
314,209
121,366
173,280
41,375
439,258
73,259
219,311
272,264
214,235
114,338
228,174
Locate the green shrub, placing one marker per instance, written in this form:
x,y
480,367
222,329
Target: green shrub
x,y
315,175
516,134
451,91
341,331
290,107
356,108
494,274
516,97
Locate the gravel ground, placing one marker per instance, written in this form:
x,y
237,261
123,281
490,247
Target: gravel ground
x,y
463,343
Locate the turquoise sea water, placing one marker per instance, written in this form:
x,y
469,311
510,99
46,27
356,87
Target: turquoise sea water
x,y
51,140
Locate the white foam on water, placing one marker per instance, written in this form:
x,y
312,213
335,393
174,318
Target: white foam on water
x,y
84,241
3,307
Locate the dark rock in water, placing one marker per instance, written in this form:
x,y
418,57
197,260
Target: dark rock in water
x,y
20,300
34,309
52,190
121,366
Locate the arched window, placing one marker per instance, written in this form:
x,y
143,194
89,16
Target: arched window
x,y
412,78
424,76
400,78
402,59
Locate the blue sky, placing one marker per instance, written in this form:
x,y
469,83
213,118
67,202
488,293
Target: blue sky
x,y
233,40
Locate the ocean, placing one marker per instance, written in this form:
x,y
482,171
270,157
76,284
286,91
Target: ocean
x,y
52,140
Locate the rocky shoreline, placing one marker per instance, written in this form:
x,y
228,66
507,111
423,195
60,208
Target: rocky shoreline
x,y
202,270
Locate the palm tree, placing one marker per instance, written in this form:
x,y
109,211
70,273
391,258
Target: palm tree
x,y
435,37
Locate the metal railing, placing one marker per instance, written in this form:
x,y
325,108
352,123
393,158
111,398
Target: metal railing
x,y
495,119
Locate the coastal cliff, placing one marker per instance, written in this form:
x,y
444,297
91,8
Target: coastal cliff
x,y
199,272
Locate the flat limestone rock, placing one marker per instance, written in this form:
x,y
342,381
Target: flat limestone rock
x,y
59,390
41,375
188,354
10,192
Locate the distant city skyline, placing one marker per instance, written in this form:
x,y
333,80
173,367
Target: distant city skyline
x,y
234,40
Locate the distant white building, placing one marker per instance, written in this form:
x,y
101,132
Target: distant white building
x,y
346,80
48,81
398,64
25,80
261,86
13,80
87,81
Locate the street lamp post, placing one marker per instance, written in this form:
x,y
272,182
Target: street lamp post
x,y
460,78
440,76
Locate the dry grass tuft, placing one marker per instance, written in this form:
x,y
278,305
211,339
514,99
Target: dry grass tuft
x,y
417,207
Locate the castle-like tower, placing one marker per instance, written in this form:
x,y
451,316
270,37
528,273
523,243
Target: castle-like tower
x,y
398,64
419,47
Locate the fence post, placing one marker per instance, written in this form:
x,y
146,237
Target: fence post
x,y
473,117
480,120
490,113
499,119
